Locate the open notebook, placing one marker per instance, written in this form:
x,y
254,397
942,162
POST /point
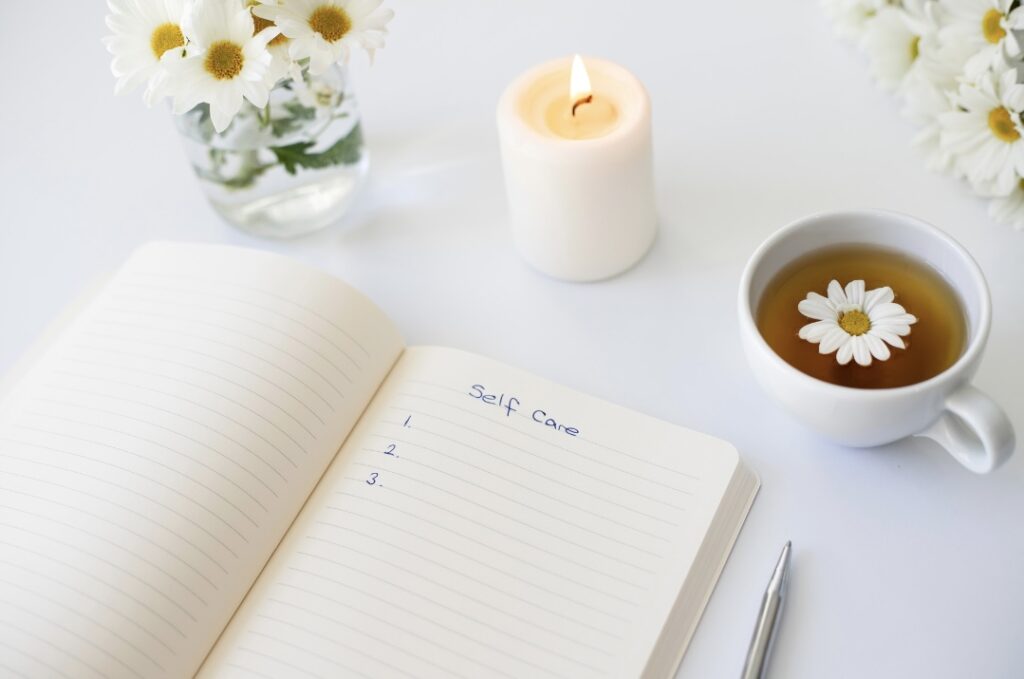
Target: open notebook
x,y
226,463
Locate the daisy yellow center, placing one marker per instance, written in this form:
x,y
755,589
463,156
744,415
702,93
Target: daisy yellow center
x,y
915,48
332,23
259,23
1001,124
165,37
855,322
991,26
224,60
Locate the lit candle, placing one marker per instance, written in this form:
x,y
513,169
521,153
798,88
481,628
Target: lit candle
x,y
576,149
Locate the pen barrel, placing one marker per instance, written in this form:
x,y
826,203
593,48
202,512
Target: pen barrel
x,y
762,640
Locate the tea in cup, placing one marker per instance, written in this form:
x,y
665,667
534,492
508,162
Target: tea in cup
x,y
868,326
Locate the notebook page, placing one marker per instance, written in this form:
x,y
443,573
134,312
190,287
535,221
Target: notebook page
x,y
155,454
483,522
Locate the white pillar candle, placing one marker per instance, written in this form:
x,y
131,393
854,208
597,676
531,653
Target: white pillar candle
x,y
580,182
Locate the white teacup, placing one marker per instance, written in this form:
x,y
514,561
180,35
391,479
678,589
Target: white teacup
x,y
945,408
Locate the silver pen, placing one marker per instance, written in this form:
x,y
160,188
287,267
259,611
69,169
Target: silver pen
x,y
768,620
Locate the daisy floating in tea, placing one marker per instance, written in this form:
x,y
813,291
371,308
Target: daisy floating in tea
x,y
855,323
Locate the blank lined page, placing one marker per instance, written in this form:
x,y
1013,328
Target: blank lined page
x,y
483,522
156,453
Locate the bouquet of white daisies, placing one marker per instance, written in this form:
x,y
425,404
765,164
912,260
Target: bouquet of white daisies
x,y
956,64
223,53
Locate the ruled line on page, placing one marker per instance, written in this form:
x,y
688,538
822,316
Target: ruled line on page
x,y
505,443
80,550
520,559
307,633
291,666
431,621
207,294
235,331
191,500
193,460
548,515
168,395
181,364
183,399
34,658
78,360
30,573
109,522
88,618
532,471
440,585
266,293
122,548
598,444
508,536
466,576
119,487
187,477
178,332
207,355
167,411
487,566
390,624
589,511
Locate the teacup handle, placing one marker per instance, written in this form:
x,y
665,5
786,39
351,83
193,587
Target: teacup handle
x,y
974,429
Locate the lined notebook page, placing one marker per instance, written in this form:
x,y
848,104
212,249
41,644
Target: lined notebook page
x,y
483,522
154,456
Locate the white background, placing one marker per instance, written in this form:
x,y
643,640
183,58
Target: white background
x,y
905,565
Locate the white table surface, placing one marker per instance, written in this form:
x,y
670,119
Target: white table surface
x,y
905,564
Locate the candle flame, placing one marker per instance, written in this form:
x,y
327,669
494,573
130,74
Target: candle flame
x,y
579,84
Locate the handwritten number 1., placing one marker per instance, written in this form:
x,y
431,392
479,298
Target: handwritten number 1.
x,y
372,481
406,423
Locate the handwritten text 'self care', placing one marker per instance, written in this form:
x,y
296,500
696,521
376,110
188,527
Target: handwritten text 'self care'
x,y
511,404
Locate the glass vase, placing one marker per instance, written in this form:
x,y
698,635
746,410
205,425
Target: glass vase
x,y
289,168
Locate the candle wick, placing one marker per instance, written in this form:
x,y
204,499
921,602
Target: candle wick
x,y
585,100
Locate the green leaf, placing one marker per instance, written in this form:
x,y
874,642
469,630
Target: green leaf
x,y
297,115
346,151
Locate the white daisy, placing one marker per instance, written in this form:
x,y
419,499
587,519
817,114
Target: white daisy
x,y
895,38
144,32
978,33
850,17
318,94
324,30
984,132
854,323
282,65
928,90
224,63
1009,209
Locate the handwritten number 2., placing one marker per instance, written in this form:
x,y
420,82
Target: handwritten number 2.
x,y
390,450
372,481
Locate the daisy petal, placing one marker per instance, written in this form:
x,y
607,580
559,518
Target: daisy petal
x,y
813,332
861,353
901,319
845,352
832,340
817,307
876,297
855,292
888,309
877,347
888,337
836,294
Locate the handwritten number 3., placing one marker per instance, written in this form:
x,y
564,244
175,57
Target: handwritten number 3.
x,y
372,481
